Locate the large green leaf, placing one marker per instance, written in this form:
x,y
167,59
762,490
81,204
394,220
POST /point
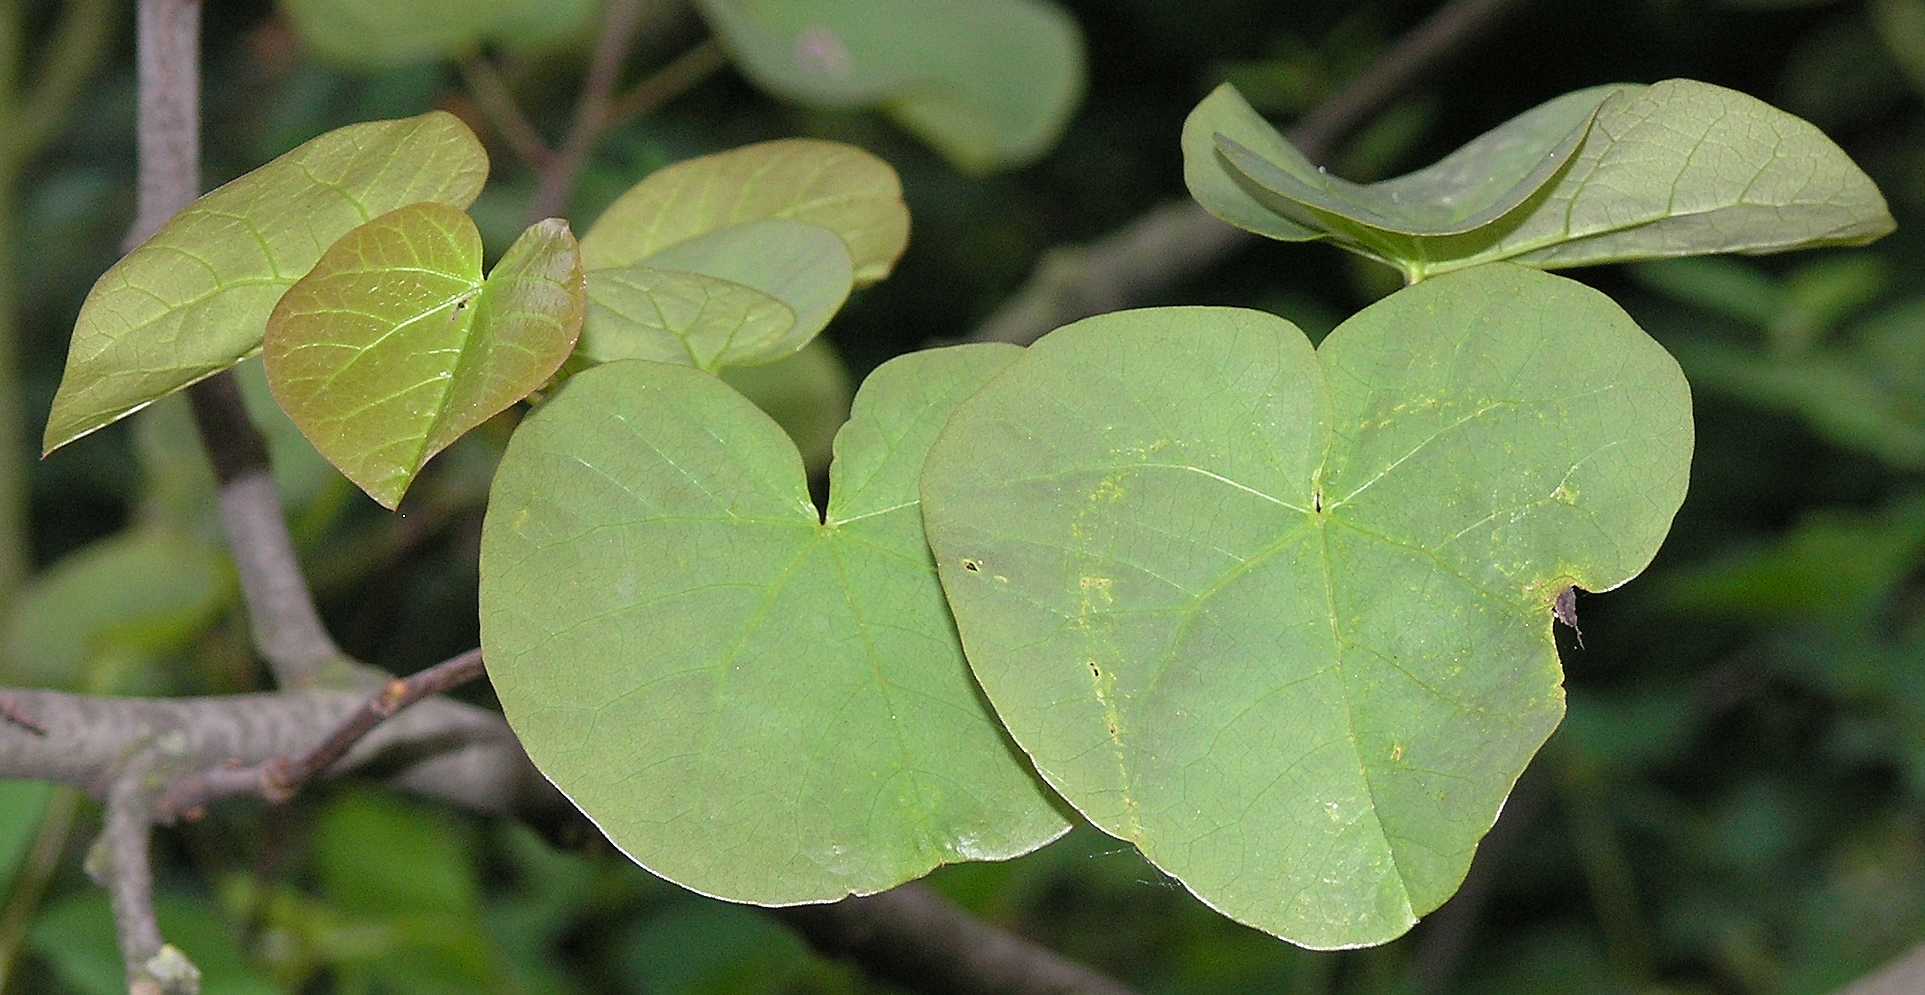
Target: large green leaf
x,y
373,35
194,299
394,346
1282,617
1677,168
750,701
989,83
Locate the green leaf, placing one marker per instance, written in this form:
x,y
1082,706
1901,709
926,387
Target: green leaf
x,y
1834,565
76,937
748,701
1865,391
826,184
22,805
194,299
382,856
394,346
1901,25
808,394
1282,617
742,296
102,602
373,35
990,84
1677,168
1472,187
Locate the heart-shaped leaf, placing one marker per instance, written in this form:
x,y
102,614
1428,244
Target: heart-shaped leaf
x,y
749,701
990,83
1282,617
394,346
740,296
1677,168
194,299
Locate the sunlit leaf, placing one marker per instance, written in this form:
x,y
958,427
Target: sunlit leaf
x,y
748,701
990,83
194,299
1677,168
394,346
1282,617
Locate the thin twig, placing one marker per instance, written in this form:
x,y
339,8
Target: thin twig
x,y
557,183
498,104
679,76
286,625
281,613
280,778
169,135
1176,240
123,866
917,938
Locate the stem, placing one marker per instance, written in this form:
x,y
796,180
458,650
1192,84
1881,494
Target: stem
x,y
281,613
681,75
497,103
279,779
1176,240
917,938
557,182
123,865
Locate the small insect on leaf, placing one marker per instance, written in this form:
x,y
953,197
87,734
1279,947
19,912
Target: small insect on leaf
x,y
1564,609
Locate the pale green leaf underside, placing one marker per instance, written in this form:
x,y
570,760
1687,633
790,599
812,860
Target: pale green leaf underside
x,y
1281,617
990,83
826,184
1677,168
394,346
194,299
748,702
1466,190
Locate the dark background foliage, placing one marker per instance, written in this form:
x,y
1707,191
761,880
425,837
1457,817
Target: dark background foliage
x,y
1733,805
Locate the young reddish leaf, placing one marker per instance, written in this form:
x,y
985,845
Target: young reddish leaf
x,y
394,346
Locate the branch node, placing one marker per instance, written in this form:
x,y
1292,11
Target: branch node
x,y
11,711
